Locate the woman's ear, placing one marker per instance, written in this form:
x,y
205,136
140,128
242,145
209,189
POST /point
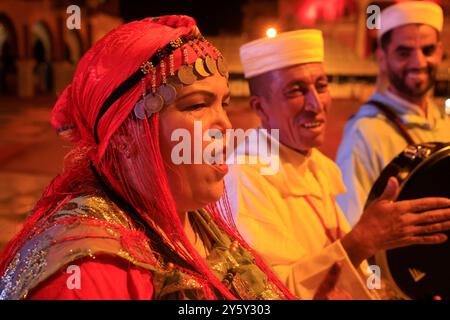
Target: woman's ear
x,y
258,105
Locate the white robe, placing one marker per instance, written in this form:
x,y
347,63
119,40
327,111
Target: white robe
x,y
273,216
371,141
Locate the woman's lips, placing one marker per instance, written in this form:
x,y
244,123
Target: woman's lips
x,y
219,158
222,168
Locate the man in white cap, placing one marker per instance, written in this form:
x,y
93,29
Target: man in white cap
x,y
409,52
291,217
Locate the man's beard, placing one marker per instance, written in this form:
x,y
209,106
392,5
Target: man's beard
x,y
399,82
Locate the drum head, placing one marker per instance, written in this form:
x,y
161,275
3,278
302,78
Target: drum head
x,y
422,271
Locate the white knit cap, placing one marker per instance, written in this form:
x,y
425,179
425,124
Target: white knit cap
x,y
284,50
422,12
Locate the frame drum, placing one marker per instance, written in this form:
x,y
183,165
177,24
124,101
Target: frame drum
x,y
418,271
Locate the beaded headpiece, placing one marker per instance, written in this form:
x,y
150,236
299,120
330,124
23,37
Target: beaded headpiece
x,y
166,80
172,82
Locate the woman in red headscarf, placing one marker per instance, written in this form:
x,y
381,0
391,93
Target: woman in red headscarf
x,y
123,220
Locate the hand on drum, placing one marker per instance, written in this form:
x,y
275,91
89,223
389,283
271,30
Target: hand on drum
x,y
386,224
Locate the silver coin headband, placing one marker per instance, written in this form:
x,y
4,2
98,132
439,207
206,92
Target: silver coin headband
x,y
172,82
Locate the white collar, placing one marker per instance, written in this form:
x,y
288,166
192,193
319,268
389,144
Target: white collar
x,y
406,106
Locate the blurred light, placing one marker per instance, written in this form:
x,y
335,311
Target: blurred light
x,y
309,16
271,33
447,106
309,12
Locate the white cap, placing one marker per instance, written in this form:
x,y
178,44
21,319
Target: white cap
x,y
422,12
284,50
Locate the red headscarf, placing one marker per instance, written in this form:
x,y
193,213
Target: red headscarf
x,y
105,66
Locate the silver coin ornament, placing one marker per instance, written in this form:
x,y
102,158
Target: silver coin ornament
x,y
210,64
186,75
175,83
168,93
139,111
153,103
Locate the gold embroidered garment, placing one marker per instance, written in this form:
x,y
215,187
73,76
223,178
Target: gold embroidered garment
x,y
90,225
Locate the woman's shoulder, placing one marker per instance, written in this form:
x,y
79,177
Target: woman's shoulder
x,y
84,226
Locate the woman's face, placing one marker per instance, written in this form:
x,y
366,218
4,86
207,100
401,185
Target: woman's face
x,y
198,108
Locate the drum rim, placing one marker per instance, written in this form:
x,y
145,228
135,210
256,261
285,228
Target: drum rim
x,y
380,257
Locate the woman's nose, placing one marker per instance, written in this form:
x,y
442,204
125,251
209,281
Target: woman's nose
x,y
222,118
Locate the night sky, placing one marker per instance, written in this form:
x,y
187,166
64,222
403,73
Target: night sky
x,y
212,16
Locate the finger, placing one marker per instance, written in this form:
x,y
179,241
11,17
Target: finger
x,y
430,228
391,190
435,238
429,217
424,204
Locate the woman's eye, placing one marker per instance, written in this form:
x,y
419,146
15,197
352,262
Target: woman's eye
x,y
195,106
225,104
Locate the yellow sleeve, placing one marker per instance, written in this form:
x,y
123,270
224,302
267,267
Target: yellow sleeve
x,y
262,221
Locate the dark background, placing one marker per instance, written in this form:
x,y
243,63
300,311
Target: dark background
x,y
212,16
